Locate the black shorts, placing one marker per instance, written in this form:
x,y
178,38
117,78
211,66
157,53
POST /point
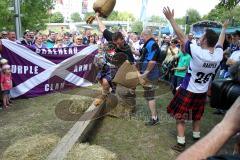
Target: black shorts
x,y
6,92
149,92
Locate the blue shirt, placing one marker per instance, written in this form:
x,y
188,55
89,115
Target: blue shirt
x,y
151,53
50,44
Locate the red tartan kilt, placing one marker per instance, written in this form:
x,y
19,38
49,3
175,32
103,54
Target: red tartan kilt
x,y
187,105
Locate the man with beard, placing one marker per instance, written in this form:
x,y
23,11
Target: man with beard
x,y
116,38
124,51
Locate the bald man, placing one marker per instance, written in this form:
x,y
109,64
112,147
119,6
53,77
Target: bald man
x,y
150,72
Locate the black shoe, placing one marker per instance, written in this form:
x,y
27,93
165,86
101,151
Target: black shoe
x,y
152,122
219,112
178,147
196,139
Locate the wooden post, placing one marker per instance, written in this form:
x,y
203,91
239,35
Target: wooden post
x,y
77,132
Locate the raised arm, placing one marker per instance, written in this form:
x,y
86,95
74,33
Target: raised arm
x,y
222,35
169,14
101,26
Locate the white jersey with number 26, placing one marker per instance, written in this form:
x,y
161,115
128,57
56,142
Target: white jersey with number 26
x,y
202,69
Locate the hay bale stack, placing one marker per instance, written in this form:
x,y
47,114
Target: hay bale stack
x,y
31,148
90,152
72,109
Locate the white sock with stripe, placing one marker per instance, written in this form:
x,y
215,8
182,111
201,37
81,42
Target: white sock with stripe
x,y
181,140
196,134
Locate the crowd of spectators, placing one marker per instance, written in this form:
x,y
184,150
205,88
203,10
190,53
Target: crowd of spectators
x,y
53,39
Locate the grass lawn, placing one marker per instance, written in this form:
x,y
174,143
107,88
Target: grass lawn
x,y
128,137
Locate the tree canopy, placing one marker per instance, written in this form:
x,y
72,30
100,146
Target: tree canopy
x,y
157,19
57,17
221,13
193,16
181,21
137,27
34,14
6,18
75,17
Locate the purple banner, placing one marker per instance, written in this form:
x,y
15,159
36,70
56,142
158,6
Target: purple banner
x,y
42,71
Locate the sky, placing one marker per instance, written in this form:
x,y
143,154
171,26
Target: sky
x,y
155,6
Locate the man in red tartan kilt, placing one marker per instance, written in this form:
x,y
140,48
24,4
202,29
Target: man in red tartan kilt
x,y
189,101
